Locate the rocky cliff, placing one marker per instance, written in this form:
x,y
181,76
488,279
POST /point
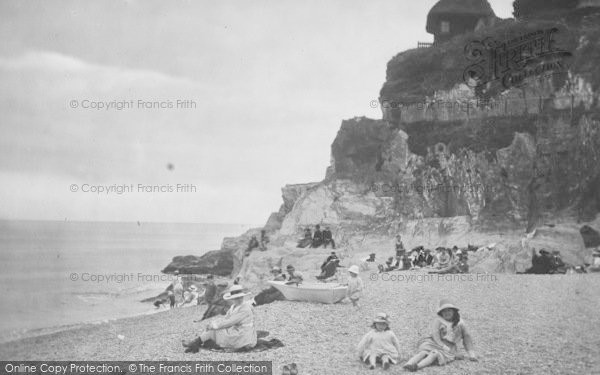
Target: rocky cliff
x,y
455,164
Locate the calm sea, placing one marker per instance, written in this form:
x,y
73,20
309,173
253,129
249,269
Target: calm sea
x,y
57,274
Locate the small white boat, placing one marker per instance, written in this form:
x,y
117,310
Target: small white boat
x,y
312,292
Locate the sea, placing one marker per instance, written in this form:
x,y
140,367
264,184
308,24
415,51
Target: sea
x,y
55,275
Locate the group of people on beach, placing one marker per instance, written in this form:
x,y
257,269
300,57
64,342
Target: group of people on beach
x,y
443,260
317,239
178,296
546,263
236,330
447,331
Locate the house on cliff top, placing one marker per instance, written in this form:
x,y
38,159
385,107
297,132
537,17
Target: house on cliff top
x,y
449,18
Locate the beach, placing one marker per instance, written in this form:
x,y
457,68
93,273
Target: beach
x,y
521,324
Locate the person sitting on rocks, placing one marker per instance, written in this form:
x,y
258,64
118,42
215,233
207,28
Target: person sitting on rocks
x,y
421,258
294,277
462,263
307,240
235,331
540,264
557,264
329,270
414,258
252,244
317,239
328,238
428,258
329,258
595,266
264,239
445,262
405,262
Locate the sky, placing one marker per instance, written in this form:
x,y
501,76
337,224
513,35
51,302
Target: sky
x,y
185,111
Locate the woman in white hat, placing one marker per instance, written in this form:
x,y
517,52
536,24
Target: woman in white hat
x,y
234,331
379,344
447,331
355,285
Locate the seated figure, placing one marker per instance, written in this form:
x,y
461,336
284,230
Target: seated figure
x,y
234,331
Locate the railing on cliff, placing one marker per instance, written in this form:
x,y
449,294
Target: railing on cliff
x,y
452,109
424,44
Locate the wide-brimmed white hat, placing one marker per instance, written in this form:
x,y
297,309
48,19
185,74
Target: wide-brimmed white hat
x,y
236,291
381,318
354,269
445,304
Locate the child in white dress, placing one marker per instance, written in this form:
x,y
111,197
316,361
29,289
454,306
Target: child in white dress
x,y
380,344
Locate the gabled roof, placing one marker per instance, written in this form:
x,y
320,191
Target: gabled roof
x,y
475,8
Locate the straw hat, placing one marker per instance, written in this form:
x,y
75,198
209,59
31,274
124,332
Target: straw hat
x,y
354,269
381,318
193,287
445,304
276,269
236,291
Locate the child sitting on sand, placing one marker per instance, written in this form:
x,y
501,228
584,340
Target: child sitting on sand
x,y
447,331
355,285
379,344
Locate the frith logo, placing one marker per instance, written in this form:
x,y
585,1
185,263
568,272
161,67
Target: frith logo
x,y
511,62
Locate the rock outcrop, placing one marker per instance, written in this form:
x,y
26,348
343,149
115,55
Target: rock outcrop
x,y
517,169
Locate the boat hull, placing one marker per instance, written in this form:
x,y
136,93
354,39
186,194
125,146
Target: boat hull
x,y
320,293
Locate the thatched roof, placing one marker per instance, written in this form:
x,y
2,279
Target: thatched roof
x,y
476,8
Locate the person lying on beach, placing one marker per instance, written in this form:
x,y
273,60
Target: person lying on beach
x,y
294,277
379,344
234,331
389,265
355,285
271,294
447,331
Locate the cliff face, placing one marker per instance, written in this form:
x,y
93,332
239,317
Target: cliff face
x,y
453,165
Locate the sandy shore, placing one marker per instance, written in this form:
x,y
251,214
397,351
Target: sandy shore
x,y
522,324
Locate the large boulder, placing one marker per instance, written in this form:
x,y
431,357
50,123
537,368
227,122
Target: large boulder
x,y
590,236
216,262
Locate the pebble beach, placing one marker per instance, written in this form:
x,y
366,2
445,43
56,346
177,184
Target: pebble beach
x,y
521,324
